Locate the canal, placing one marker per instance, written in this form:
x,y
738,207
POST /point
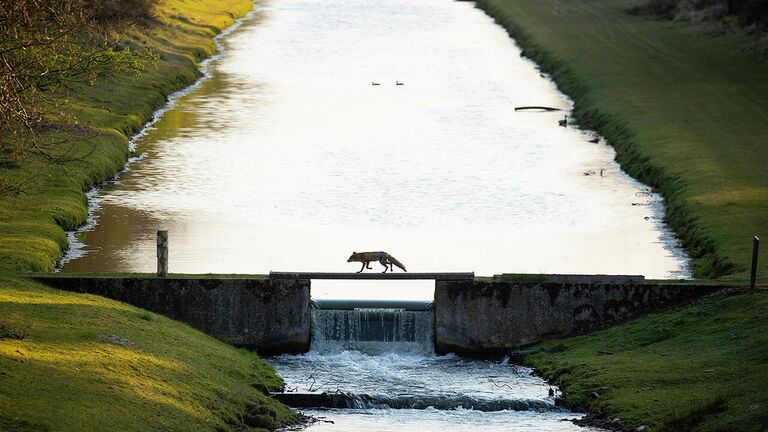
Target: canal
x,y
299,147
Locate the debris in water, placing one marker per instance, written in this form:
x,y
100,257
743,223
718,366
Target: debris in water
x,y
537,108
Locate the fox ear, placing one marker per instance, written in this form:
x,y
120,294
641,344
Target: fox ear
x,y
353,252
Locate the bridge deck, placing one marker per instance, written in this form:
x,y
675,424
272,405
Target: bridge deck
x,y
377,275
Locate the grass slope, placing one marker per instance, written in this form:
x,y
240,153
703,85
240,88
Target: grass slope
x,y
98,120
702,368
685,110
75,362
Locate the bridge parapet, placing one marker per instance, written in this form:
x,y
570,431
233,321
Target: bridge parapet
x,y
454,276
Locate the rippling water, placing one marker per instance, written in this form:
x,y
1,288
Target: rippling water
x,y
407,392
444,421
287,158
382,362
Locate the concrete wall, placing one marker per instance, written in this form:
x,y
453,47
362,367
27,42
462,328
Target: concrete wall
x,y
271,316
482,318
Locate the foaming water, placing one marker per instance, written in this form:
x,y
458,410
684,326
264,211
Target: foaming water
x,y
287,158
425,391
413,375
372,330
383,364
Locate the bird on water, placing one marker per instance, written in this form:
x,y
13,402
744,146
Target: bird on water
x,y
563,122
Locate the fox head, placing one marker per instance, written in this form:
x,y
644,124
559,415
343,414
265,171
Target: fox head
x,y
352,257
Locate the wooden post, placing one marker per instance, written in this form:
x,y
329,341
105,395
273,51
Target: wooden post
x,y
162,253
753,275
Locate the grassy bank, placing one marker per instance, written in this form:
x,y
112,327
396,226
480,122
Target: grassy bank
x,y
686,112
97,120
702,368
74,362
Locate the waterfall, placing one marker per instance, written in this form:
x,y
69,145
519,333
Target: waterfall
x,y
372,330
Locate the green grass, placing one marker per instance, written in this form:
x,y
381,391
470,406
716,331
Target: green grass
x,y
32,226
701,368
685,110
75,362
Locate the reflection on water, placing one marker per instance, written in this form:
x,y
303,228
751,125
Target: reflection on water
x,y
459,420
287,158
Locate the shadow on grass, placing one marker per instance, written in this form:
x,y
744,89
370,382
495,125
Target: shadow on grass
x,y
697,414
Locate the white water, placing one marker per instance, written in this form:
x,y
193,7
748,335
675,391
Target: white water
x,y
398,383
372,331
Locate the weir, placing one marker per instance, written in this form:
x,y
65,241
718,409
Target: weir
x,y
276,315
372,327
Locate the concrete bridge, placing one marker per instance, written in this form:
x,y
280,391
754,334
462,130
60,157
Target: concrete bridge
x,y
472,316
369,276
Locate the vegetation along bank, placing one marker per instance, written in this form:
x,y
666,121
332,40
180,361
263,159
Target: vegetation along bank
x,y
78,84
77,362
79,77
699,368
685,109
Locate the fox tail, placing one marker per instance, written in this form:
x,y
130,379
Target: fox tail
x,y
394,261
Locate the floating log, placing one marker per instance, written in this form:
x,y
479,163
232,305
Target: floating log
x,y
541,108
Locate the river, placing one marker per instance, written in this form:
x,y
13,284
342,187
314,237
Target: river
x,y
287,157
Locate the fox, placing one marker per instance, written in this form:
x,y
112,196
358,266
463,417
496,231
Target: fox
x,y
384,258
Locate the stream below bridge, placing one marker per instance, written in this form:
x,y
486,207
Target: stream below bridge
x,y
383,362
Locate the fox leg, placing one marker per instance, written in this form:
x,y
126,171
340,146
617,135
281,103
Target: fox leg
x,y
368,265
361,268
383,261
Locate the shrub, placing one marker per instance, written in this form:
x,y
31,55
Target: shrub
x,y
132,11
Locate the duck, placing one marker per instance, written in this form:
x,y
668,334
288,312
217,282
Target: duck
x,y
374,83
563,122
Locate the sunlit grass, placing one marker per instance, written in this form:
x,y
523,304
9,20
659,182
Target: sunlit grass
x,y
81,362
32,225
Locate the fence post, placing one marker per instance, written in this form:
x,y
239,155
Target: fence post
x,y
753,275
162,253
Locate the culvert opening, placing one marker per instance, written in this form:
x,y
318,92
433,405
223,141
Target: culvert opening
x,y
373,317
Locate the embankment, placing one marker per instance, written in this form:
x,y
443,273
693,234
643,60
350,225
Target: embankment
x,y
699,368
97,121
685,111
76,362
73,362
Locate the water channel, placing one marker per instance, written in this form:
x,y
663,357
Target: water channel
x,y
384,359
287,157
